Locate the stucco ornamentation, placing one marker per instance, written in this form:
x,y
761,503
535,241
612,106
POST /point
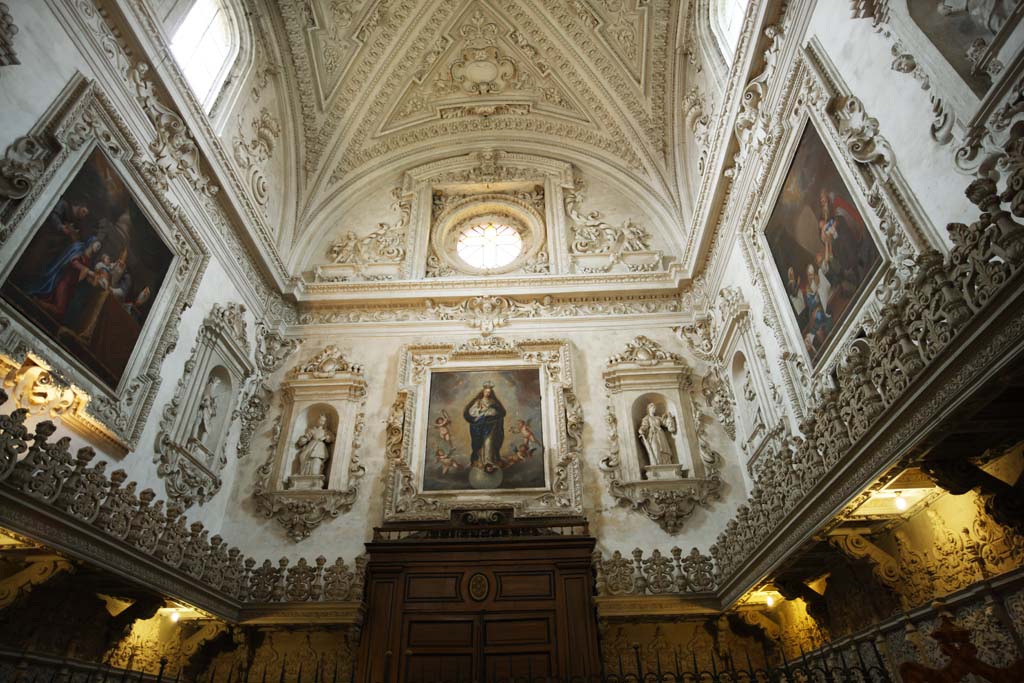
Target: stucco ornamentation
x,y
403,498
671,487
191,448
81,119
324,415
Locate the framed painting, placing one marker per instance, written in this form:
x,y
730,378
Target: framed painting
x,y
486,430
821,247
91,271
484,425
101,265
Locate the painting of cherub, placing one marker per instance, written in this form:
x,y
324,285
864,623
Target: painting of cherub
x,y
485,431
92,270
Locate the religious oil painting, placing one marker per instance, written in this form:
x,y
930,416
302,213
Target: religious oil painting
x,y
820,244
91,271
485,431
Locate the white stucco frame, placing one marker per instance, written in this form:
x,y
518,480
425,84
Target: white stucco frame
x,y
814,94
404,498
81,120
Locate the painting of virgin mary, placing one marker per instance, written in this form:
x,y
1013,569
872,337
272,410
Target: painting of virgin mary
x,y
91,271
485,431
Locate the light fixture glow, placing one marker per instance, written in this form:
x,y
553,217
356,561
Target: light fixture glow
x,y
175,615
770,600
901,502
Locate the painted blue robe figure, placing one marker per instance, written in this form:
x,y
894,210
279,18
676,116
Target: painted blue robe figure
x,y
486,417
55,288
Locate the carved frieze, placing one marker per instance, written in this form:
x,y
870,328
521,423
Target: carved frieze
x,y
598,247
377,255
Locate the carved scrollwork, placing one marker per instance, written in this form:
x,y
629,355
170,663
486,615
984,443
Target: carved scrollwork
x,y
656,574
191,446
403,498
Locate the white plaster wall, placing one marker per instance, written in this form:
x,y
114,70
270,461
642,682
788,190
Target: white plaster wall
x,y
615,527
902,108
48,61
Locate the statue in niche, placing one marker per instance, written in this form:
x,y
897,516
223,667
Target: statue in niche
x,y
654,431
202,426
314,448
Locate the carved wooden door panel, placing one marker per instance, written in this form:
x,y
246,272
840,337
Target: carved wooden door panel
x,y
482,610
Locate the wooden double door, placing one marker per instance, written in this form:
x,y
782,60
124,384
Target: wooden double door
x,y
479,610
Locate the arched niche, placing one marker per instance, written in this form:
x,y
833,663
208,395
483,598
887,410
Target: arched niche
x,y
191,446
210,425
748,398
666,410
308,433
670,491
329,386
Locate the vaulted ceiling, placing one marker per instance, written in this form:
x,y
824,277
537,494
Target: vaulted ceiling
x,y
378,85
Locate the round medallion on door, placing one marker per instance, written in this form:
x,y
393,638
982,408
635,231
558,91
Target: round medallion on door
x,y
479,587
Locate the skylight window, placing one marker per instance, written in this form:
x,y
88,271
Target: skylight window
x,y
727,20
204,48
489,245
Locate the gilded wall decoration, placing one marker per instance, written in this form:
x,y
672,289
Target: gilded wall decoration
x,y
182,557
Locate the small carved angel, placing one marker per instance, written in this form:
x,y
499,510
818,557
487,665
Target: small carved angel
x,y
443,424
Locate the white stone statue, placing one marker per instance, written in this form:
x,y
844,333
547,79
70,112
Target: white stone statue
x,y
202,426
313,448
653,428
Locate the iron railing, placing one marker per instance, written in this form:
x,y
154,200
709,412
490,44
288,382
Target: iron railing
x,y
633,666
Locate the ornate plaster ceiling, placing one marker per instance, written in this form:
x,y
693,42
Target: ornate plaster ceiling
x,y
379,84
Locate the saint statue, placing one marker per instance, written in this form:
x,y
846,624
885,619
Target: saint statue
x,y
486,418
653,428
313,448
203,424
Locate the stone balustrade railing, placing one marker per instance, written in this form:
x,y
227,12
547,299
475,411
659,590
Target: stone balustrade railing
x,y
655,575
941,297
47,472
